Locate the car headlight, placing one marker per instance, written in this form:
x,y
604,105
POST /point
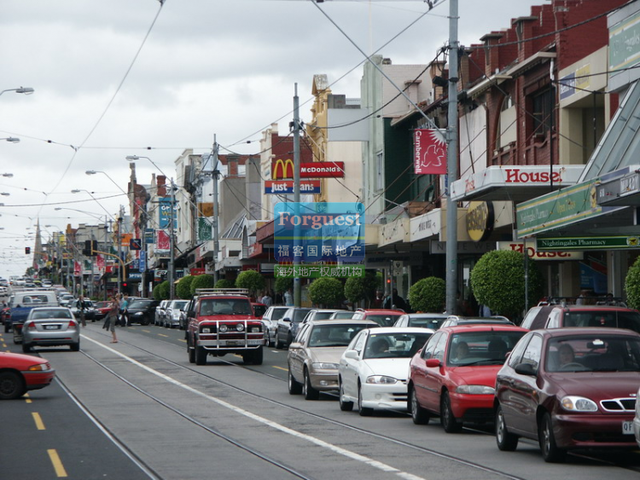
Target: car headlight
x,y
475,390
137,314
41,367
324,366
206,330
578,404
256,329
381,380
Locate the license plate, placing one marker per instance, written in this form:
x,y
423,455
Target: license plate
x,y
52,327
233,343
627,428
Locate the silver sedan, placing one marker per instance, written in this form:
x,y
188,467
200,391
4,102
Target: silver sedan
x,y
50,326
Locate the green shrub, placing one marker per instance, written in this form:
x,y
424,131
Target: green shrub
x,y
201,281
632,285
362,288
428,295
282,284
251,280
497,281
326,292
183,288
161,291
224,283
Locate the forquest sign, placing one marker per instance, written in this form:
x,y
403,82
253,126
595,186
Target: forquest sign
x,y
307,232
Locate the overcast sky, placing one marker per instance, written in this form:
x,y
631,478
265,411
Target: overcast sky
x,y
223,67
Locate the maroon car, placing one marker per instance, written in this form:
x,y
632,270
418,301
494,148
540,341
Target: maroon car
x,y
569,388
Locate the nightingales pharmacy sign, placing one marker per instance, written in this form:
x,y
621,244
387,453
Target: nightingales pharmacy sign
x,y
319,232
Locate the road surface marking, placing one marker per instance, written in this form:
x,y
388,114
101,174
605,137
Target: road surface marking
x,y
163,335
38,420
57,464
280,368
303,436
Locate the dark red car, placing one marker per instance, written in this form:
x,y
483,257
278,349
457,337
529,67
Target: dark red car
x,y
20,373
454,375
384,317
569,388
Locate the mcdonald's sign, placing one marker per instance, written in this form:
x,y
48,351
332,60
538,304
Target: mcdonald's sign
x,y
283,169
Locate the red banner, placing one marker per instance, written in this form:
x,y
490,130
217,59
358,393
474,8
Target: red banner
x,y
163,240
429,152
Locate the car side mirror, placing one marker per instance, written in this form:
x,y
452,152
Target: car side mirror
x,y
433,362
286,320
352,354
525,369
295,345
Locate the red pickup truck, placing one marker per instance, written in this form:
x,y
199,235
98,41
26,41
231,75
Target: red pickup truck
x,y
221,321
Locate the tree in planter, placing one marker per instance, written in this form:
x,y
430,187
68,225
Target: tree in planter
x,y
632,285
251,280
282,284
497,281
201,281
183,288
428,295
362,288
161,291
224,283
326,292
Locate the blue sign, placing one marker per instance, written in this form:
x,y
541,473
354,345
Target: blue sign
x,y
165,212
149,236
142,261
319,232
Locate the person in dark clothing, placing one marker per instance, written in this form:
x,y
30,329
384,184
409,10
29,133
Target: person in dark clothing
x,y
395,301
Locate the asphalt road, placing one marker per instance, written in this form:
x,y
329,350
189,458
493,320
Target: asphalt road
x,y
138,409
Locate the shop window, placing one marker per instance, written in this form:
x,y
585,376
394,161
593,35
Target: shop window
x,y
542,111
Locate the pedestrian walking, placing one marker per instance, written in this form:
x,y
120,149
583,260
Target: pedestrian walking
x,y
112,318
81,310
124,312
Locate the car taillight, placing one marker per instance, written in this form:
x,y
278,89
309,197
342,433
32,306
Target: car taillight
x,y
32,326
73,323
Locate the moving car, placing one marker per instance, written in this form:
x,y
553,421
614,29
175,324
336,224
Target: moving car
x,y
314,355
382,316
50,326
287,326
21,373
373,369
454,375
101,309
142,311
569,388
89,309
422,320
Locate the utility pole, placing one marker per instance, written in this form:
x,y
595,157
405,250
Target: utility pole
x,y
172,253
296,192
120,267
216,242
452,163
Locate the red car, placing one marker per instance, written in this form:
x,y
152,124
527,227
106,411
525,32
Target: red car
x,y
569,388
102,308
20,373
384,317
454,375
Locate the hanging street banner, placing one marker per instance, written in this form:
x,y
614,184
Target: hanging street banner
x,y
164,212
283,169
164,242
429,152
204,229
285,187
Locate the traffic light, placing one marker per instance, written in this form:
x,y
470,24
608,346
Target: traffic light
x,y
27,250
86,250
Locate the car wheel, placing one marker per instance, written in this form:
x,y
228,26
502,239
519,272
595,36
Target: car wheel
x,y
363,411
11,385
26,348
75,347
344,405
7,328
192,354
277,342
309,392
449,422
419,415
201,356
507,442
289,339
550,451
295,388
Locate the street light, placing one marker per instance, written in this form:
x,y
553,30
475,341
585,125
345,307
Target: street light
x,y
93,172
25,90
172,260
94,215
7,175
11,140
94,198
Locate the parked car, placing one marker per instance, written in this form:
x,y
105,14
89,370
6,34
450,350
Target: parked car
x,y
373,369
142,311
636,420
454,375
270,322
569,388
50,326
171,317
287,326
158,316
315,353
453,320
342,315
423,320
21,373
319,314
586,316
382,316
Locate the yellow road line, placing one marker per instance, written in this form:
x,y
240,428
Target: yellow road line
x,y
146,331
38,420
57,463
280,368
163,335
182,340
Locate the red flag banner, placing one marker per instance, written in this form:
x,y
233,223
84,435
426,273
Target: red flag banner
x,y
430,152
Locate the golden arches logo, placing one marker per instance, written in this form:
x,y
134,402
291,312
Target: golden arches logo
x,y
281,169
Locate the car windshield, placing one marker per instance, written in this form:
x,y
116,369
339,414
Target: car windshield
x,y
333,335
616,319
258,309
593,353
342,315
299,314
278,313
383,320
179,305
394,345
322,315
426,322
51,313
140,304
481,348
214,306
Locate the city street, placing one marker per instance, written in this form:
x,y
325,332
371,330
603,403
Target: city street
x,y
138,409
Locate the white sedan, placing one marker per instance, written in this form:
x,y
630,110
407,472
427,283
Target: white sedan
x,y
373,370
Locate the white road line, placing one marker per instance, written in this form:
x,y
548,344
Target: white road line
x,y
341,451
